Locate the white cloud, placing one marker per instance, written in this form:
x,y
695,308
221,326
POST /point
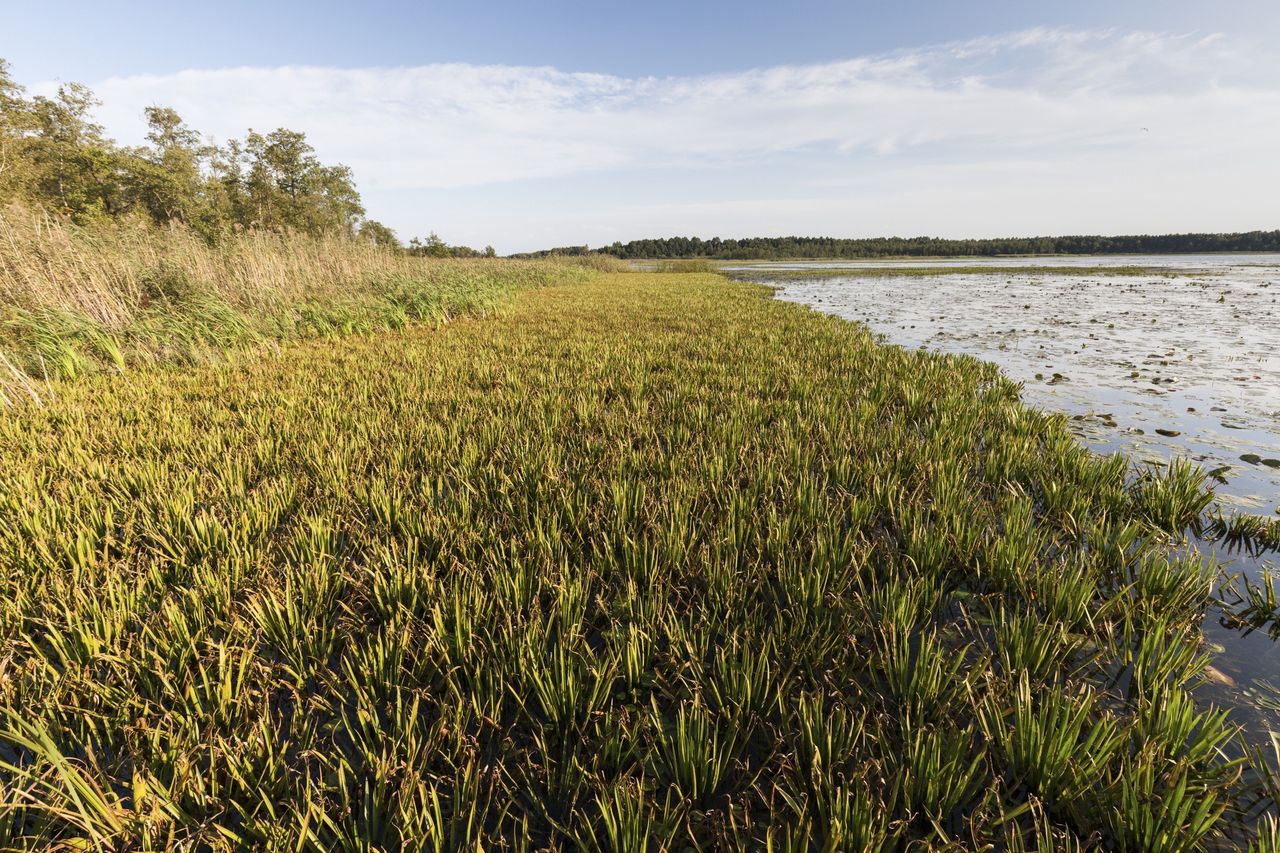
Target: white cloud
x,y
1066,107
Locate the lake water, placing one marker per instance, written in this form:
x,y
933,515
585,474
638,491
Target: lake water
x,y
1193,349
1181,360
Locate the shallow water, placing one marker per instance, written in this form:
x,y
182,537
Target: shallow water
x,y
1181,361
1184,361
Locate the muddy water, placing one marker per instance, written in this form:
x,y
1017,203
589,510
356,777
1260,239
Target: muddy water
x,y
1183,360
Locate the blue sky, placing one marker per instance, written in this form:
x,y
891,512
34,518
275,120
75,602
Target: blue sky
x,y
548,123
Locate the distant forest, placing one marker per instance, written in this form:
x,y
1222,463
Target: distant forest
x,y
754,248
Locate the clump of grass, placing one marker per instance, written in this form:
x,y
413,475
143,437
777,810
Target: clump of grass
x,y
1255,602
1057,746
1252,533
688,265
1173,496
639,562
592,261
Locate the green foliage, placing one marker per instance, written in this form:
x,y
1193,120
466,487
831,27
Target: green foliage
x,y
432,247
116,296
54,156
279,184
378,234
435,247
759,248
639,562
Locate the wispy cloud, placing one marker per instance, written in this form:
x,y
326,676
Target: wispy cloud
x,y
1046,102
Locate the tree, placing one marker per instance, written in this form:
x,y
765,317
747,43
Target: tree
x,y
287,188
15,124
378,234
432,247
173,178
53,154
76,170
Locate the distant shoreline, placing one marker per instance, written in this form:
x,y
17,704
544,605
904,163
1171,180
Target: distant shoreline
x,y
797,248
908,258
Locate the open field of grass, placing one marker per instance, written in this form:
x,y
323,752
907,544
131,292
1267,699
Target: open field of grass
x,y
644,562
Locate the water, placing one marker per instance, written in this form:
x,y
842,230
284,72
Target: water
x,y
1195,263
1182,360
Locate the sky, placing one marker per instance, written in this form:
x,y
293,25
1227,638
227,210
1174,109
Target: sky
x,y
527,125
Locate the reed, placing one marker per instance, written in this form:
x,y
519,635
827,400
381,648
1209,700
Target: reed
x,y
698,265
120,294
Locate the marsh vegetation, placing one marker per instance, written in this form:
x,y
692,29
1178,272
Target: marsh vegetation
x,y
1174,361
1161,358
649,561
114,297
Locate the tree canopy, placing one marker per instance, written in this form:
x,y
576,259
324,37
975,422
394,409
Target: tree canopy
x,y
52,154
880,247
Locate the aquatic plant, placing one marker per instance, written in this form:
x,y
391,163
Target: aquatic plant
x,y
1251,533
640,562
1255,602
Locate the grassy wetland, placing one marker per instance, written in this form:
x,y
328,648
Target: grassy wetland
x,y
642,561
1177,363
118,296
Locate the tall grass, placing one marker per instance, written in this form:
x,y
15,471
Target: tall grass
x,y
644,563
690,265
73,299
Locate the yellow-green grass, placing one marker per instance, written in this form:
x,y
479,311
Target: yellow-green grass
x,y
647,562
76,300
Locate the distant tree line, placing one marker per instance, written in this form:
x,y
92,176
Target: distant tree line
x,y
54,156
434,247
879,247
573,251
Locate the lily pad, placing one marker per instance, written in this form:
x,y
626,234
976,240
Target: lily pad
x,y
1167,433
1251,458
